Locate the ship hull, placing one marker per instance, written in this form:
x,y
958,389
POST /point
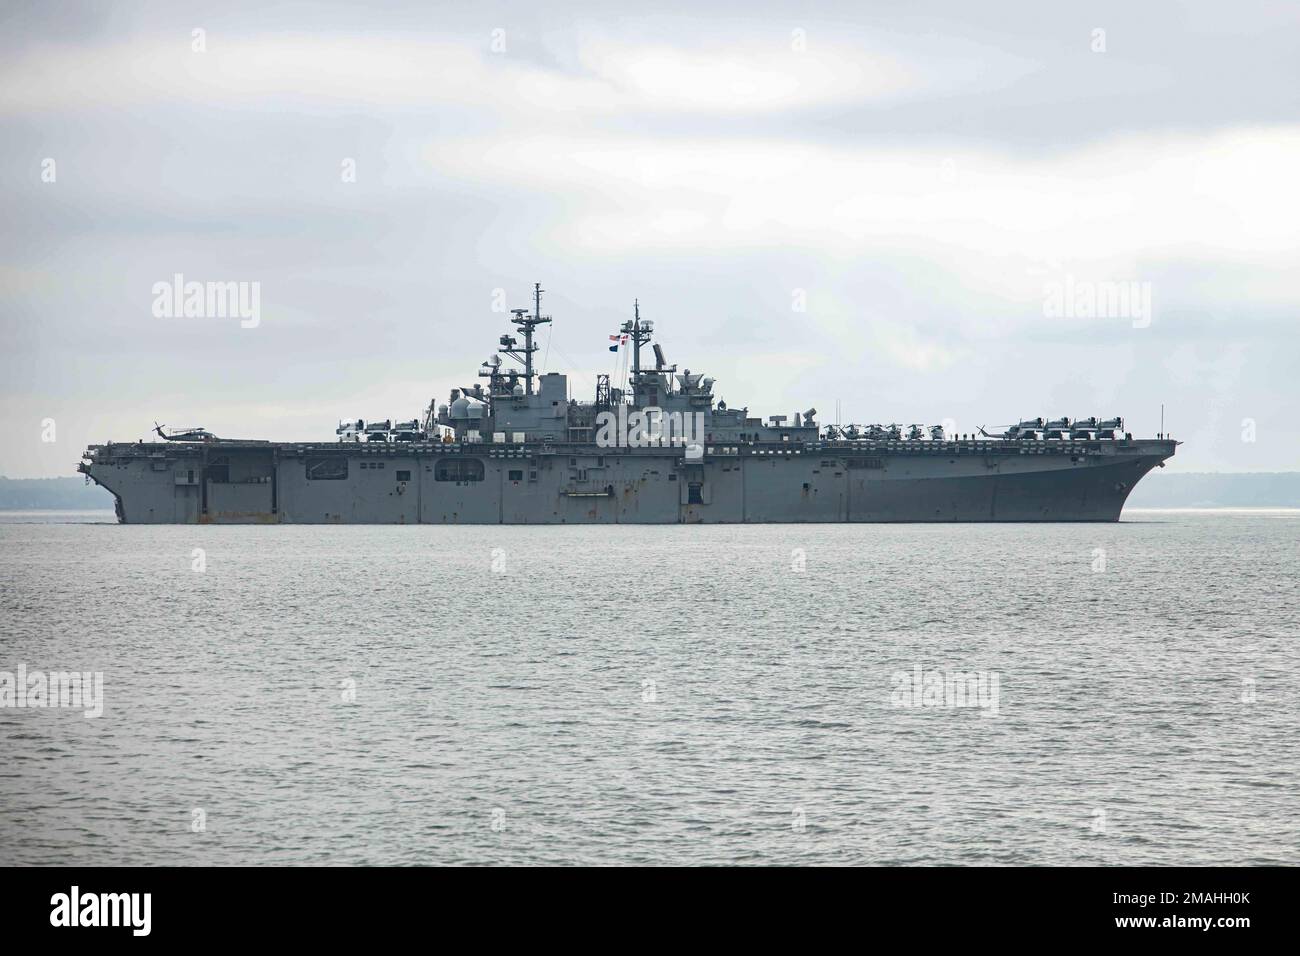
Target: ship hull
x,y
345,483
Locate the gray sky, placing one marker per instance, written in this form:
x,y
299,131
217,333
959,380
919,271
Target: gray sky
x,y
924,174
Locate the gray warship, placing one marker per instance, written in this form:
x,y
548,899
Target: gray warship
x,y
661,450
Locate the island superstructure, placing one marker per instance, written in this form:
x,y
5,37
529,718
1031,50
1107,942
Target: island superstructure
x,y
658,450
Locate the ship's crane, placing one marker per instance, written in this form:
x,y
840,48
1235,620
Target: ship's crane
x,y
661,364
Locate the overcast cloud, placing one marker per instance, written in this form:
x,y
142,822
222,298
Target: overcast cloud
x,y
920,174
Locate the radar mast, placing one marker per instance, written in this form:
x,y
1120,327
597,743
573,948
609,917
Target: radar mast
x,y
526,324
640,334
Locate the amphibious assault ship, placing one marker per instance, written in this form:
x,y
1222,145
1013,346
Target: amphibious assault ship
x,y
661,450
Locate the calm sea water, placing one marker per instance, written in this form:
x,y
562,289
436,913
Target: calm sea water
x,y
660,695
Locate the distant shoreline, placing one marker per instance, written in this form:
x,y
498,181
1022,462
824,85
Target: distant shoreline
x,y
1217,509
